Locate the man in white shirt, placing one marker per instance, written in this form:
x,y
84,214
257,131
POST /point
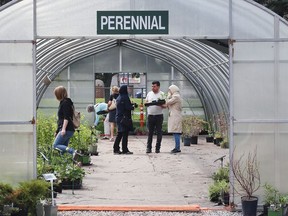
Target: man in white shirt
x,y
155,117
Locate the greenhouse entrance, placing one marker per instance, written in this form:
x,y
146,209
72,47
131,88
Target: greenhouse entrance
x,y
52,39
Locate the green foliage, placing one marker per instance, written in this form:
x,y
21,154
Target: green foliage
x,y
208,128
274,198
270,194
220,184
27,194
217,134
224,143
192,125
214,192
6,190
57,163
221,174
81,139
217,189
67,172
221,125
46,127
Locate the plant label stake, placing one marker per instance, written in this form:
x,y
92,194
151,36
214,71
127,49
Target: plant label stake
x,y
50,177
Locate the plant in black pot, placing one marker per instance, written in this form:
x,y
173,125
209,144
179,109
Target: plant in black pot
x,y
218,138
186,130
191,127
275,203
210,135
26,196
224,143
81,142
219,190
71,176
197,126
245,169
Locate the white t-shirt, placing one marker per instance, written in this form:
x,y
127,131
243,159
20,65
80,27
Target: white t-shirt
x,y
154,110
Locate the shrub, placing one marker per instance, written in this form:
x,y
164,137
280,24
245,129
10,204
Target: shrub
x,y
221,174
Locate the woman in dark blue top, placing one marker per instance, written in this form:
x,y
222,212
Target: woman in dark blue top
x,y
124,107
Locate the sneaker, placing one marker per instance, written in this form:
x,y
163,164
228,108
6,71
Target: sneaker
x,y
128,152
157,151
148,151
105,138
175,150
111,139
117,152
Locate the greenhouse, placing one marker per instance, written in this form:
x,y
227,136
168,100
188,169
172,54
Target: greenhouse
x,y
227,56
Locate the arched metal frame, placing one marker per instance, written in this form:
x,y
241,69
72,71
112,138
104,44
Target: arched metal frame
x,y
205,67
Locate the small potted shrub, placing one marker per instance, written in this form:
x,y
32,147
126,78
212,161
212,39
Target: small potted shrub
x,y
27,195
224,143
81,141
245,169
71,177
93,147
187,130
6,191
218,138
219,190
210,136
275,203
191,127
225,188
197,126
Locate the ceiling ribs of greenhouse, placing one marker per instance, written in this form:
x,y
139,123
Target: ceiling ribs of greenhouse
x,y
205,67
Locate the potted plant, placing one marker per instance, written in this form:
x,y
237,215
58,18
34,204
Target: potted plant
x,y
219,190
224,191
218,138
197,127
187,130
26,197
191,127
93,147
210,136
222,127
6,190
246,173
224,143
275,203
81,142
71,176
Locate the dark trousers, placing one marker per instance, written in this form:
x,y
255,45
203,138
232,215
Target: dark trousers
x,y
124,136
155,122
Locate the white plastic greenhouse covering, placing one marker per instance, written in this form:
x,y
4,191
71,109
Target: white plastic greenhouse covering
x,y
41,38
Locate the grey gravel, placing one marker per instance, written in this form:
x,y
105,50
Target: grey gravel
x,y
148,213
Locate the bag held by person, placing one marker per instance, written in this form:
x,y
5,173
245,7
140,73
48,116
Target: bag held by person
x,y
113,105
76,118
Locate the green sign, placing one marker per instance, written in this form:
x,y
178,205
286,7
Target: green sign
x,y
132,22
